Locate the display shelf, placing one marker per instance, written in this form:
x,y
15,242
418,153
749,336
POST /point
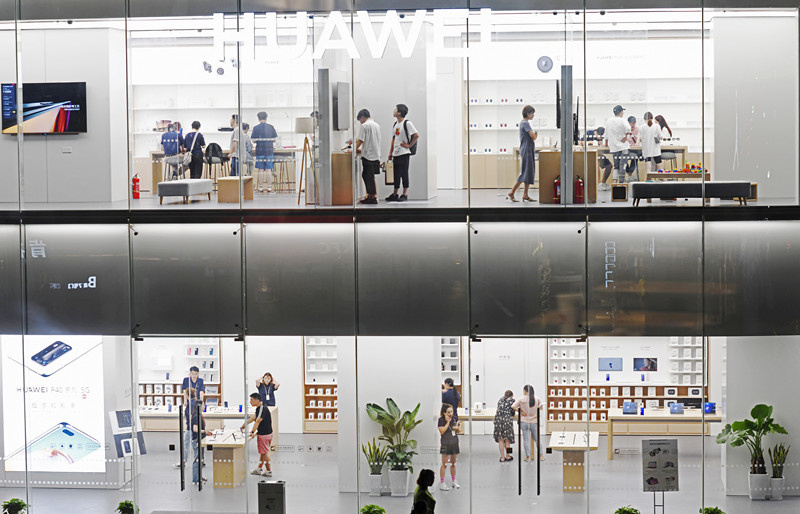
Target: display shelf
x,y
320,386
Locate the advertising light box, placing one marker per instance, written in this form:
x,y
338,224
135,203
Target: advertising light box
x,y
62,400
77,279
10,283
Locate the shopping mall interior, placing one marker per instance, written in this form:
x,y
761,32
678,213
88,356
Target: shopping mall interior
x,y
196,279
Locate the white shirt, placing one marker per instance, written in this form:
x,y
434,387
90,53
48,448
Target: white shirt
x,y
650,138
370,133
399,134
616,128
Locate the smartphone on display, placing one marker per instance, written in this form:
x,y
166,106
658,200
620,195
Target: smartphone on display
x,y
57,355
51,353
64,441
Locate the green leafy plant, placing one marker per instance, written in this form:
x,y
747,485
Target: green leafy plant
x,y
372,509
14,506
750,432
711,510
126,507
777,457
376,456
396,428
627,510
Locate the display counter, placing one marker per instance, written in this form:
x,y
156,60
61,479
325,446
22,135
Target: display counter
x,y
161,419
229,458
550,170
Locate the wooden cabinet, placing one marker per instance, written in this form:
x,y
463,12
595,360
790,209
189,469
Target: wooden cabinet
x,y
320,390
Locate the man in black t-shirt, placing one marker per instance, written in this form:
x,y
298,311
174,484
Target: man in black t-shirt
x,y
262,431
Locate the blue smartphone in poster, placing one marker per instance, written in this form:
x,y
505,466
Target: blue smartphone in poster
x,y
51,353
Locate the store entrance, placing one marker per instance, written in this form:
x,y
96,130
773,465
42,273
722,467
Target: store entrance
x,y
191,406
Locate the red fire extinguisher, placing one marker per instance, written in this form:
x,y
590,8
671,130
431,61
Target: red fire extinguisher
x,y
136,186
578,189
557,190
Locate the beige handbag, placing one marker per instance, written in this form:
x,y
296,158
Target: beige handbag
x,y
388,168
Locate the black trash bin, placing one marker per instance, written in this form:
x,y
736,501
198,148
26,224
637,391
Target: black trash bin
x,y
272,497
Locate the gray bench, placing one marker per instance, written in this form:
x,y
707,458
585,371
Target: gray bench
x,y
185,187
690,189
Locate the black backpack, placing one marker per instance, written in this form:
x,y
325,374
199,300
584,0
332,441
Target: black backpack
x,y
413,148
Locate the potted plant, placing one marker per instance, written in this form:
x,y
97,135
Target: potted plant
x,y
777,457
126,507
14,506
711,510
372,509
376,456
750,432
627,510
397,427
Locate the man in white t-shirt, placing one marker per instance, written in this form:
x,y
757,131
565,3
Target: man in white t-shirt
x,y
368,144
617,132
404,137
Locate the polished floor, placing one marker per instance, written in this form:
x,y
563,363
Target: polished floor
x,y
488,486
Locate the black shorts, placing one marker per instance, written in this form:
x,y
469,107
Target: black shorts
x,y
604,161
451,448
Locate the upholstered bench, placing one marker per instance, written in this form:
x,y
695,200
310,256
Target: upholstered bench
x,y
690,189
185,187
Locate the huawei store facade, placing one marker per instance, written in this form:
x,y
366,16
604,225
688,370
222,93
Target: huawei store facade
x,y
185,222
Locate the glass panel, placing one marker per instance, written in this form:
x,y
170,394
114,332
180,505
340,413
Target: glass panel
x,y
424,266
645,64
644,278
300,279
77,279
10,283
741,299
75,115
427,49
71,423
9,174
187,268
747,132
184,79
549,294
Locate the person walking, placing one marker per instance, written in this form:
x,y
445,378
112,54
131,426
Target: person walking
x,y
448,430
528,406
368,144
617,133
527,155
264,136
404,137
504,425
262,431
195,144
234,145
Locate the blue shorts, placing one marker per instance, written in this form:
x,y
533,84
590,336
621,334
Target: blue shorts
x,y
265,162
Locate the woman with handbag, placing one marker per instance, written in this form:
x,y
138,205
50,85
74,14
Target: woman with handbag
x,y
504,425
195,144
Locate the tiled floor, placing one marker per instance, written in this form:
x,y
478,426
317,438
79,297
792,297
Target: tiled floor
x,y
488,486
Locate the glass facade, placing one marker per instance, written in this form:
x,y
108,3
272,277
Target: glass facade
x,y
201,227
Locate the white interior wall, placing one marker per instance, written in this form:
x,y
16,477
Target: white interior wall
x,y
449,123
9,176
761,370
755,94
79,167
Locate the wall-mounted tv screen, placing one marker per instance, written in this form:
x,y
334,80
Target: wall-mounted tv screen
x,y
47,108
645,364
609,364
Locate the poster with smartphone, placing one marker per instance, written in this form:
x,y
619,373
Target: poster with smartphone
x,y
62,401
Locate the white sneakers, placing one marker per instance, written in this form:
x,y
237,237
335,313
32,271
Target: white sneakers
x,y
260,472
443,485
603,186
266,473
256,471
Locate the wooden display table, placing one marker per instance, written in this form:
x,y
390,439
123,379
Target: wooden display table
x,y
342,178
229,457
159,419
550,169
666,423
678,176
228,189
574,446
486,414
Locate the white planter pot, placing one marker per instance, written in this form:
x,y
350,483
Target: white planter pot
x,y
398,480
776,488
375,485
759,486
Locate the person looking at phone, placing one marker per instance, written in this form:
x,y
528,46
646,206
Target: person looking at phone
x,y
267,386
448,429
262,431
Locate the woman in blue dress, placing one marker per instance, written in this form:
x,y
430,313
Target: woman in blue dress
x,y
527,155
